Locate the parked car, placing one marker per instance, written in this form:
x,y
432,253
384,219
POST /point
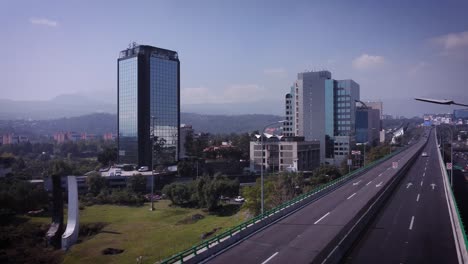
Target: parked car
x,y
239,199
424,154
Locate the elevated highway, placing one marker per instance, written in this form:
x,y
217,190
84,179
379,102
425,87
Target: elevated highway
x,y
311,234
399,211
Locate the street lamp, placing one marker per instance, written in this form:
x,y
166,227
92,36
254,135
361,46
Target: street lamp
x,y
364,145
261,165
437,101
152,164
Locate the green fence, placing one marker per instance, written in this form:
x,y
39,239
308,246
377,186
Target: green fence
x,y
179,257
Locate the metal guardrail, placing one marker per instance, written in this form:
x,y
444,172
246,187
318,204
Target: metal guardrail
x,y
205,245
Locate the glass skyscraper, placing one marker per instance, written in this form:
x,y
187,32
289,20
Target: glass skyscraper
x,y
148,106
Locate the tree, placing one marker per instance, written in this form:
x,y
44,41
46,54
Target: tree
x,y
95,183
329,171
178,193
137,183
252,198
59,168
217,187
107,156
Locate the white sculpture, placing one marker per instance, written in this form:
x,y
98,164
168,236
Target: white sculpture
x,y
70,236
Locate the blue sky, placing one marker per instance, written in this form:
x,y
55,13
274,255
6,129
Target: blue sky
x,y
240,56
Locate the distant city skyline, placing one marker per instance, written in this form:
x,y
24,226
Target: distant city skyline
x,y
240,57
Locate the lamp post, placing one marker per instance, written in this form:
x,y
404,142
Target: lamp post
x,y
261,166
152,164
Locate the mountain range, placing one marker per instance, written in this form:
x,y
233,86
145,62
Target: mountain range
x,y
100,123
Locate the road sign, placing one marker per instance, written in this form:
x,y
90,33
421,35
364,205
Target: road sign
x,y
350,162
449,165
355,152
395,164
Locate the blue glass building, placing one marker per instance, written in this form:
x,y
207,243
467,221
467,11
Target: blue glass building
x,y
148,88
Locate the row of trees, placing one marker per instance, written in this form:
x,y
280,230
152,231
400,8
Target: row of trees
x,y
100,193
20,197
204,192
196,145
285,186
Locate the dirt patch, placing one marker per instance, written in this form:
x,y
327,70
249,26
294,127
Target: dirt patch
x,y
208,234
91,229
191,220
112,251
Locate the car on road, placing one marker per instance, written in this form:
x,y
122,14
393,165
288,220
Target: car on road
x,y
424,154
143,168
239,199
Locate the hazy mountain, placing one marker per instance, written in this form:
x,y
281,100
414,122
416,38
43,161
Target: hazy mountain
x,y
60,106
100,123
227,123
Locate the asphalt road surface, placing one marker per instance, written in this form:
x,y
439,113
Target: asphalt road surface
x,y
300,237
414,226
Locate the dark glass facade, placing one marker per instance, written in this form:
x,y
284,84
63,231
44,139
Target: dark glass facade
x,y
148,106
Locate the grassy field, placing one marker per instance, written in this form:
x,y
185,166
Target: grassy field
x,y
140,232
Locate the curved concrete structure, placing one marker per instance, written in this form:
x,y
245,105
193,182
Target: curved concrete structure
x,y
56,228
71,232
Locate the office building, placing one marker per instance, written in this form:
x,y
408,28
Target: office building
x,y
148,105
367,125
284,154
185,131
8,139
309,108
376,105
320,108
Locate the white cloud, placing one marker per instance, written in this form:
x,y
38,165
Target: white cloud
x,y
238,93
452,41
366,61
43,22
275,72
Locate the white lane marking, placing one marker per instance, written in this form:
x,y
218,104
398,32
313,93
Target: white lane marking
x,y
417,198
425,168
351,196
378,185
433,185
421,183
380,174
408,185
389,168
321,218
368,183
268,259
356,183
424,174
411,224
